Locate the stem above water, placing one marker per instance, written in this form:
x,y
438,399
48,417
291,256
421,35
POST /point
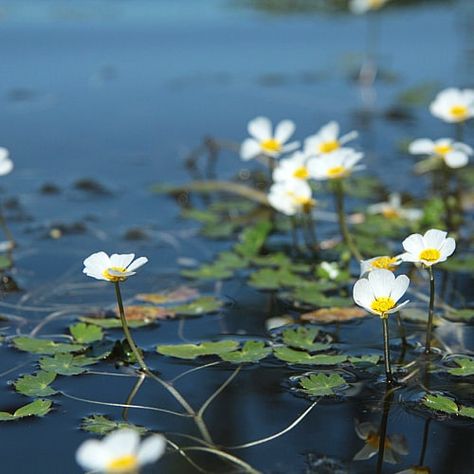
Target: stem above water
x,y
429,326
386,349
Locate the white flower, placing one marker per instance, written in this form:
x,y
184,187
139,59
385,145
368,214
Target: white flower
x,y
393,208
114,268
383,262
293,167
453,105
379,292
331,269
454,154
120,452
395,444
291,197
363,6
327,140
337,164
6,165
431,248
265,142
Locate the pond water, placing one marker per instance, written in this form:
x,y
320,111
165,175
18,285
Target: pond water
x,y
102,100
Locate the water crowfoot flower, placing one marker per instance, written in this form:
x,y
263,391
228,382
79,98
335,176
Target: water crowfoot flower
x,y
379,294
428,249
454,154
393,209
120,452
290,168
359,7
335,165
327,140
291,197
266,142
383,262
6,164
453,105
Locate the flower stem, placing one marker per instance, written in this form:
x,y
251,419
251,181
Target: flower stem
x,y
339,196
126,330
6,230
386,349
429,327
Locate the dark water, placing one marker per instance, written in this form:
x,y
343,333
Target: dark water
x,y
120,92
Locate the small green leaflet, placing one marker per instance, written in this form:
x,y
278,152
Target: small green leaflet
x,y
191,351
252,351
370,359
444,404
44,346
66,364
111,323
322,385
466,411
300,357
37,408
466,367
36,385
273,279
312,294
203,305
102,425
86,333
252,239
209,272
304,338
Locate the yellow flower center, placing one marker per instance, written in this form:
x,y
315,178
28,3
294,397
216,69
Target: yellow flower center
x,y
443,150
390,213
459,112
382,304
271,145
327,147
111,277
127,463
387,263
430,255
301,173
306,203
337,172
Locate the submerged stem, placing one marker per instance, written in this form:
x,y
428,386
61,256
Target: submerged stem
x,y
131,396
339,196
126,330
429,326
386,349
387,404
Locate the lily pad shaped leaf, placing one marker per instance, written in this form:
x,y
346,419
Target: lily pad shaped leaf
x,y
300,357
252,351
303,338
203,305
86,333
466,411
111,323
191,351
66,364
102,425
37,408
322,385
440,403
466,367
44,346
36,385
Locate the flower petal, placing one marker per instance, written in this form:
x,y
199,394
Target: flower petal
x,y
414,244
260,128
92,456
447,249
284,130
399,287
151,449
434,238
121,260
139,262
455,159
121,442
381,282
363,294
249,149
6,165
422,146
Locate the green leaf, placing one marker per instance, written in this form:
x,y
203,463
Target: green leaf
x,y
102,425
37,408
5,262
86,333
308,295
371,359
208,272
200,215
203,305
112,323
66,364
461,315
300,357
231,260
278,259
466,411
36,385
274,279
191,351
322,385
440,403
44,346
252,351
252,239
466,367
459,263
304,338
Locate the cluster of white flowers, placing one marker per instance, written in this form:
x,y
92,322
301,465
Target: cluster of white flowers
x,y
378,291
453,106
324,156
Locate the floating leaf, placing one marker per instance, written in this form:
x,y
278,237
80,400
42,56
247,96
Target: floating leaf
x,y
466,367
203,305
278,259
179,295
304,338
252,351
191,351
371,359
37,408
208,272
466,411
231,260
308,295
36,385
5,262
440,403
461,315
334,315
102,425
44,346
253,238
300,357
86,333
322,385
111,323
274,279
66,364
148,313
